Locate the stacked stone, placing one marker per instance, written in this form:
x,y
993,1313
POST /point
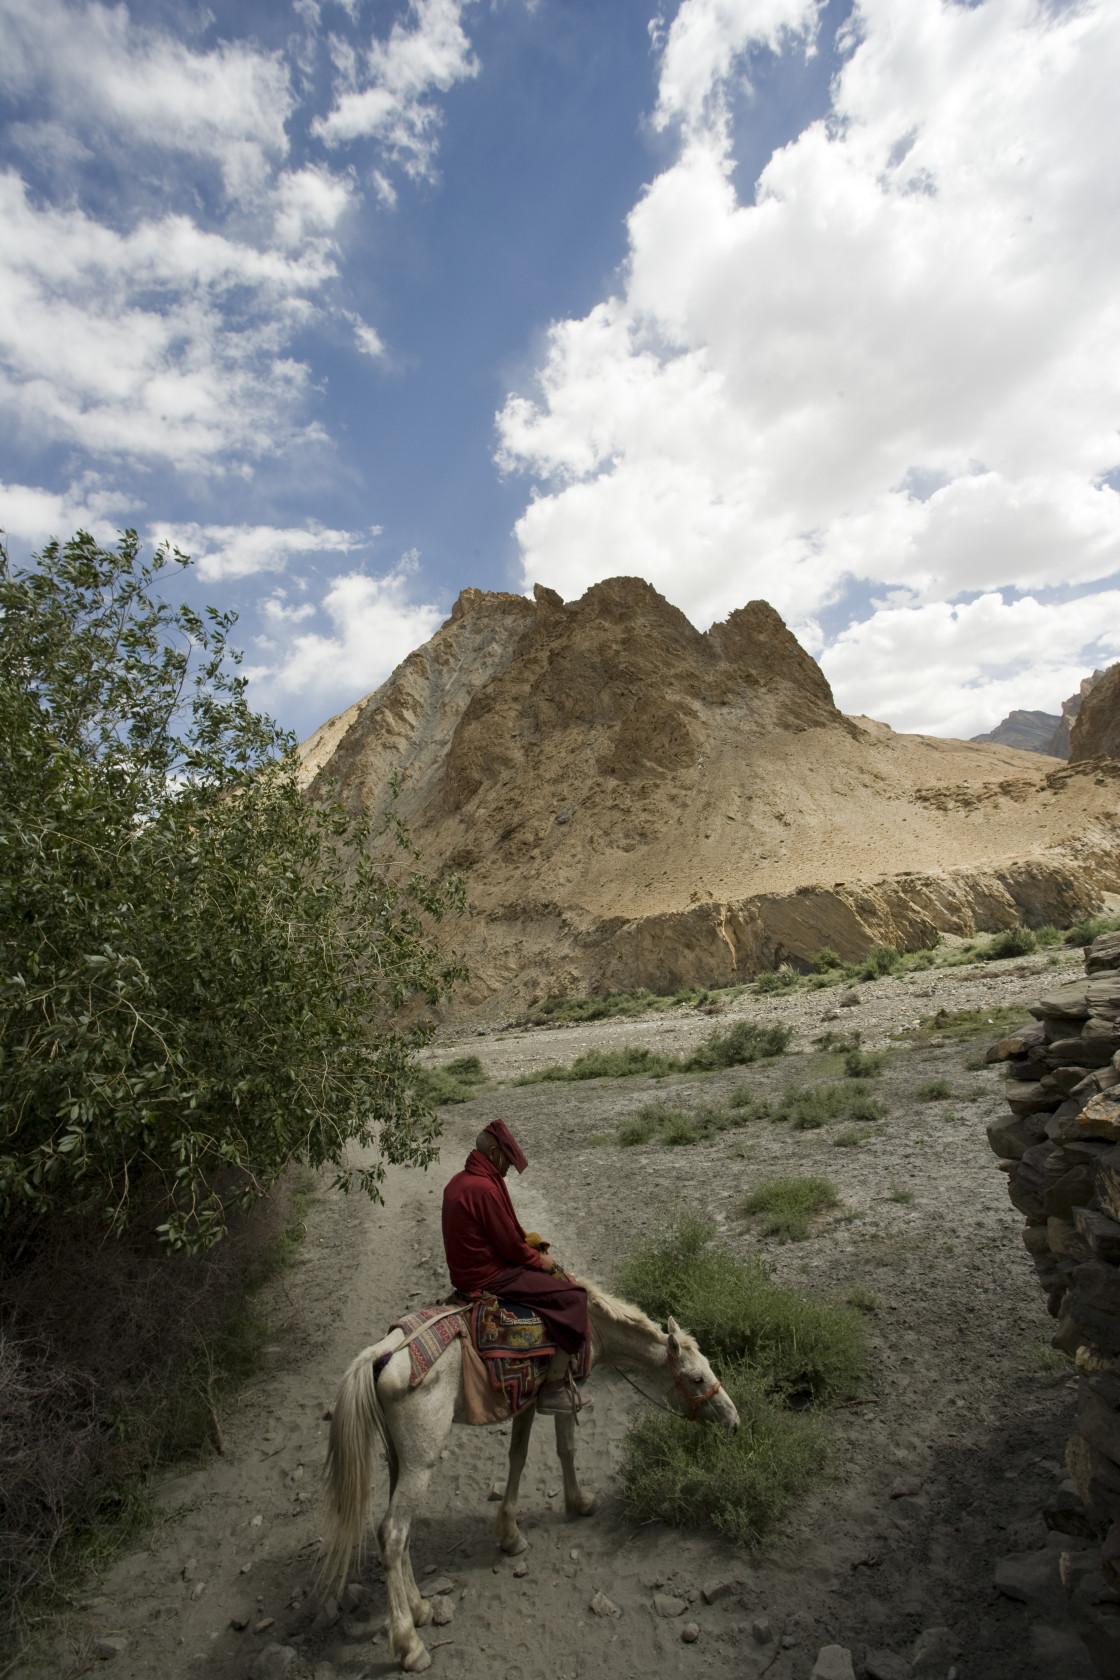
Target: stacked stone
x,y
1060,1147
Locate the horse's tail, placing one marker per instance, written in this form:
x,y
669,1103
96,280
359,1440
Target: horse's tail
x,y
356,1424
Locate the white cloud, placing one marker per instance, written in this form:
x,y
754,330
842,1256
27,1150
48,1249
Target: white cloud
x,y
234,551
374,624
956,670
900,364
31,516
103,70
164,343
383,92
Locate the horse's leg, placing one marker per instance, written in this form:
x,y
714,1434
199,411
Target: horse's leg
x,y
419,1422
510,1537
576,1502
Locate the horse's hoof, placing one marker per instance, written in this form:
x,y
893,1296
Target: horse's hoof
x,y
517,1544
585,1506
417,1658
423,1615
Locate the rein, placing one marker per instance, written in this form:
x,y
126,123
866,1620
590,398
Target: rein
x,y
694,1402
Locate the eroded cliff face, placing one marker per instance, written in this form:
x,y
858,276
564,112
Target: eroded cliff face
x,y
640,804
1096,730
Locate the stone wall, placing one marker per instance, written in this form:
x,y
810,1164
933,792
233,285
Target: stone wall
x,y
1060,1148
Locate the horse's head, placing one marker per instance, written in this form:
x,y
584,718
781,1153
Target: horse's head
x,y
696,1390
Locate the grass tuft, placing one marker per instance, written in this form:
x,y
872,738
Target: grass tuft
x,y
1089,928
737,1484
786,1205
742,1043
800,1348
934,1090
809,1107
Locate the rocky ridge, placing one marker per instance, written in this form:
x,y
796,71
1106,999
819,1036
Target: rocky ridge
x,y
1060,1147
637,803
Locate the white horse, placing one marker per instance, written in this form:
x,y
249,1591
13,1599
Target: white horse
x,y
413,1425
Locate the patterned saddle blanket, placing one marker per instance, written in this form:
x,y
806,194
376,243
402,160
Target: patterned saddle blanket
x,y
510,1338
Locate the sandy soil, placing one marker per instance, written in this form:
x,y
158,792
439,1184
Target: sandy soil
x,y
942,1465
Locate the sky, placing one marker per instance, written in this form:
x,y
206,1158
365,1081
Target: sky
x,y
362,302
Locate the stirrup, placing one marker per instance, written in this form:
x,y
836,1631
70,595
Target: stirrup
x,y
556,1398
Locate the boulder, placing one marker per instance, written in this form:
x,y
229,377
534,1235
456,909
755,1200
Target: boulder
x,y
1091,1052
934,1649
834,1662
1031,1099
1101,1232
1065,1003
1094,1303
1103,953
1106,1180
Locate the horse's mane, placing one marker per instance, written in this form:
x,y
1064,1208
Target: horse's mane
x,y
625,1312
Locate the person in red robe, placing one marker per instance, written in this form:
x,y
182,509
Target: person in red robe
x,y
487,1251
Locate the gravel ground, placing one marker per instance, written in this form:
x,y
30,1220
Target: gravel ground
x,y
942,1465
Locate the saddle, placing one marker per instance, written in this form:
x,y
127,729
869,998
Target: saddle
x,y
506,1352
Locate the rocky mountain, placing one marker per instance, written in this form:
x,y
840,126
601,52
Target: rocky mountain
x,y
637,803
1029,731
1043,732
1096,730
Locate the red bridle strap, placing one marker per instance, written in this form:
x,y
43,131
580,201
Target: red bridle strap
x,y
692,1401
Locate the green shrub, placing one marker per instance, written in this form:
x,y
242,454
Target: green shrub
x,y
777,980
468,1070
879,961
680,1131
809,1107
436,1086
737,1484
1047,937
745,1042
851,1137
786,1205
899,1193
858,1065
825,959
798,1347
1089,928
1012,942
934,1090
202,970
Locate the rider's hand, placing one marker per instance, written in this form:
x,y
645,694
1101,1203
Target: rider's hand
x,y
548,1264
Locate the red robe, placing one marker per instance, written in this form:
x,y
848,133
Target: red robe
x,y
486,1249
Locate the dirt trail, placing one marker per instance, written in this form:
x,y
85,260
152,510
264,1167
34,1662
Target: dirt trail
x,y
960,1412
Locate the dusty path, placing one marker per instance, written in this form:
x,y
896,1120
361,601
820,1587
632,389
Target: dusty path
x,y
961,1411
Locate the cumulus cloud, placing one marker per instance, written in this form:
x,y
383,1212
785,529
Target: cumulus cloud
x,y
383,92
374,622
897,366
31,516
236,551
105,71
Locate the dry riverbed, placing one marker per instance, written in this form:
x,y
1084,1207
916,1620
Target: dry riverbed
x,y
941,1464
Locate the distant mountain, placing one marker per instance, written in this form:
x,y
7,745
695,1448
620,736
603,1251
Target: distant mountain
x,y
1042,732
1029,731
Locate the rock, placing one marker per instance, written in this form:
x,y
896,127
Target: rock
x,y
443,1610
110,1646
355,1596
326,1616
884,1665
497,1491
1031,1099
1009,1137
1100,1117
667,1605
906,1488
834,1662
690,1632
520,1570
275,1662
1065,1003
1059,1651
601,1605
324,1671
935,1648
1065,1513
1095,1051
1072,1189
239,1623
444,1584
264,1624
1017,1044
761,1630
1101,1232
1025,1576
1094,1301
1103,953
189,1568
850,1000
715,1590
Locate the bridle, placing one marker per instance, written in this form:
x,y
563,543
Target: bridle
x,y
693,1401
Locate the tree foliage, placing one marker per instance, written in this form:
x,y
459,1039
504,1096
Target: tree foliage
x,y
203,972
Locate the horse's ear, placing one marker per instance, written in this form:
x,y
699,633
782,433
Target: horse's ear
x,y
674,1330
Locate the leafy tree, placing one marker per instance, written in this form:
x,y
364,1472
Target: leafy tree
x,y
203,972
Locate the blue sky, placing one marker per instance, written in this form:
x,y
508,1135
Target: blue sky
x,y
364,303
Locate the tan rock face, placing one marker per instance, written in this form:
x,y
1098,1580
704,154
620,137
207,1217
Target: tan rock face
x,y
637,803
1096,730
